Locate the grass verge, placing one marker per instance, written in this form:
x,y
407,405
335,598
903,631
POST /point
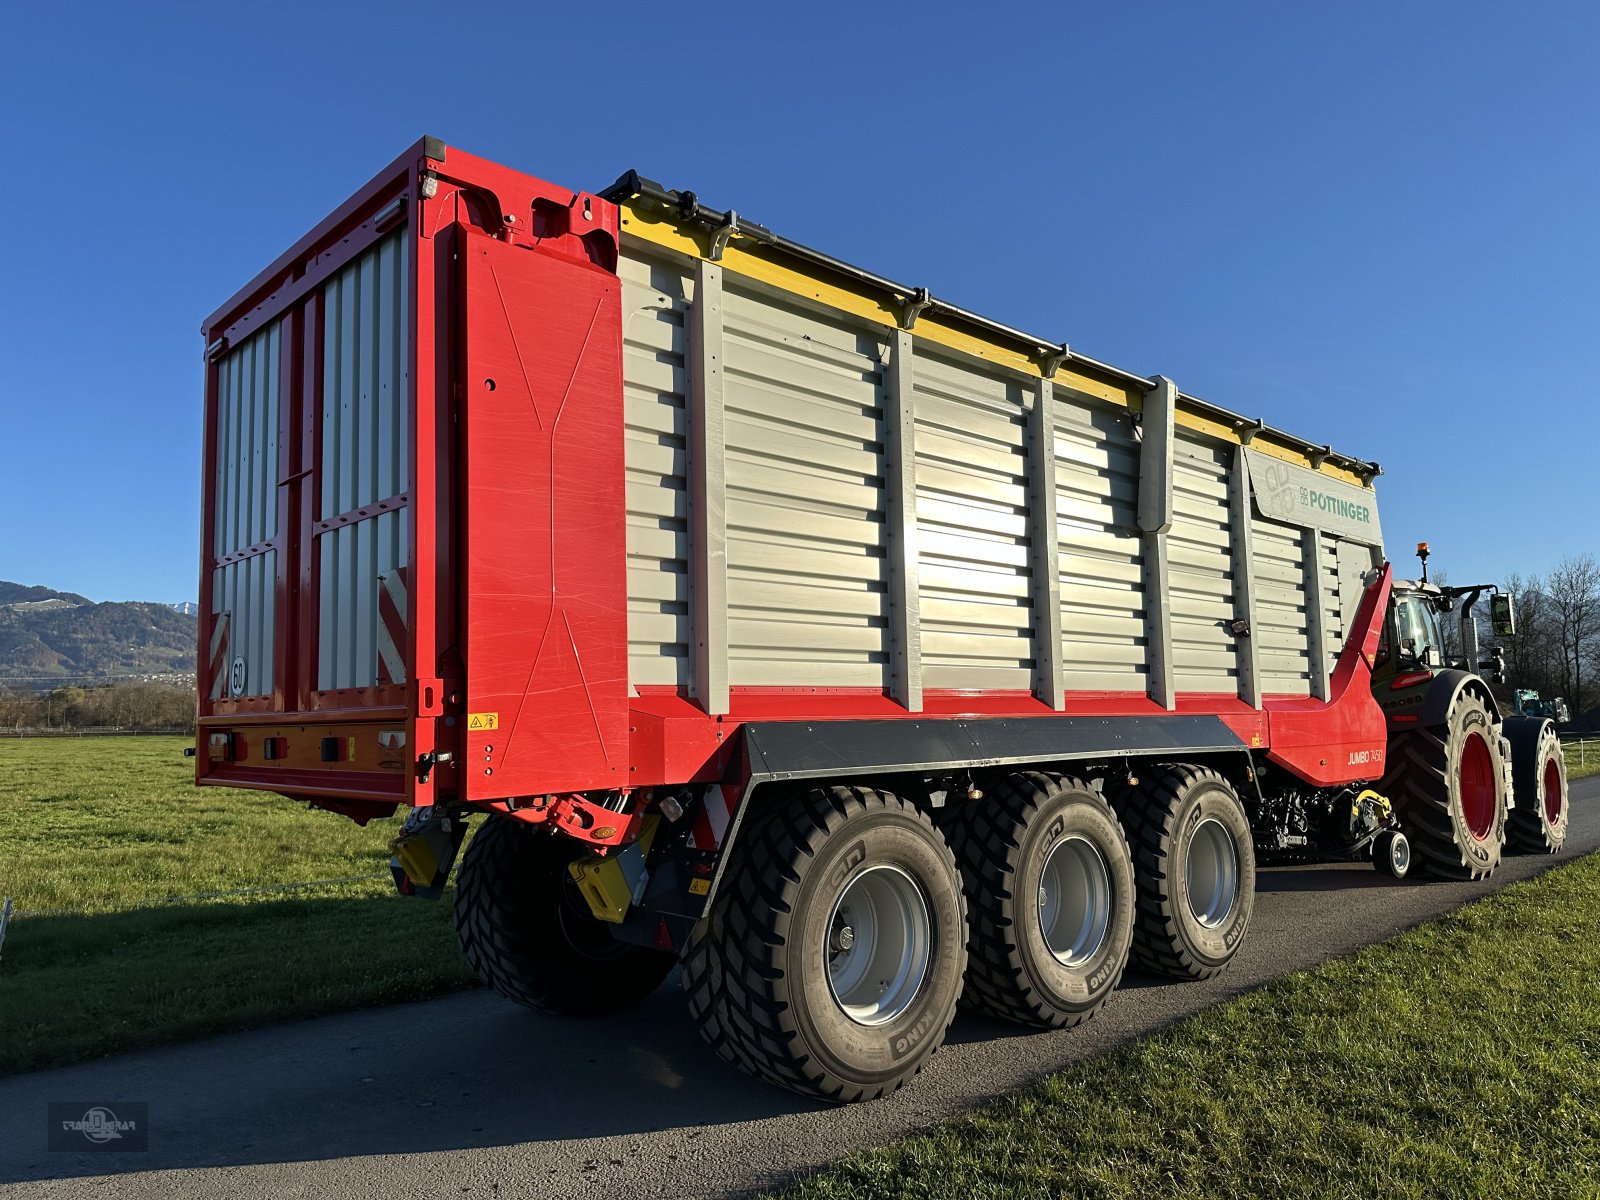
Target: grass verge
x,y
1458,1059
114,829
1582,760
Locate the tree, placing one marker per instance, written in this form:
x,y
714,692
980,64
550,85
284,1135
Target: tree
x,y
1530,655
1573,591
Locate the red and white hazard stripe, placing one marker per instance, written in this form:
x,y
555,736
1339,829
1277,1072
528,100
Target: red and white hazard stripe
x,y
394,606
218,661
716,809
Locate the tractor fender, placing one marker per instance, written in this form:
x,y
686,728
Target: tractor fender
x,y
1442,693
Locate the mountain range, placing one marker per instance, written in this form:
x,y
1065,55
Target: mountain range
x,y
49,637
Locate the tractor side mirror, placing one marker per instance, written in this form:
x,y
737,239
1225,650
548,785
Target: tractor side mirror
x,y
1563,713
1502,616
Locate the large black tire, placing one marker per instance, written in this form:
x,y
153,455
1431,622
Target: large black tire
x,y
760,969
524,927
1186,827
1049,886
1447,784
1538,823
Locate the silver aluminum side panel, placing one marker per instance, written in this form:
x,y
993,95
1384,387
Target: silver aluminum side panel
x,y
1281,629
1102,586
655,321
1352,561
1244,588
1200,569
246,507
1317,640
825,554
972,526
352,560
900,484
1049,677
1334,614
708,488
807,566
365,456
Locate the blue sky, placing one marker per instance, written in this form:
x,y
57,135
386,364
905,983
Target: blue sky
x,y
1373,224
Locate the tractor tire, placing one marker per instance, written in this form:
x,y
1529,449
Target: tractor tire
x,y
1391,854
1194,870
832,956
526,930
1049,885
1538,823
1447,784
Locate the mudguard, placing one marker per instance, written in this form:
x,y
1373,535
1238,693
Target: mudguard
x,y
1442,692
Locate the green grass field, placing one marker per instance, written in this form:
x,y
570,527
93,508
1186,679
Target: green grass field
x,y
115,828
1582,761
1455,1060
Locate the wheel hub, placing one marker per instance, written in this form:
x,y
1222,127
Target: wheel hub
x,y
1400,855
1475,784
879,945
1211,875
1554,800
1074,901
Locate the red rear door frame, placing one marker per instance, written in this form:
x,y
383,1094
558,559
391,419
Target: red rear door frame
x,y
291,288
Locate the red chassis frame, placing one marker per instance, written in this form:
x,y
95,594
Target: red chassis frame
x,y
517,639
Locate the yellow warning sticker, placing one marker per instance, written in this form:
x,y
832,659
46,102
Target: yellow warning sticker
x,y
699,887
476,721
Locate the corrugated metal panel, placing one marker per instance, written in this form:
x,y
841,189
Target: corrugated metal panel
x,y
247,442
1200,569
353,559
1282,641
972,526
247,592
246,506
808,559
1102,587
1352,561
365,455
1332,597
805,533
655,303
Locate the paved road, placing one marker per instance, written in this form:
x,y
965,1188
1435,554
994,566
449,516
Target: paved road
x,y
471,1096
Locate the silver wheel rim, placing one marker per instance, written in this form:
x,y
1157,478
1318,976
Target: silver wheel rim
x,y
1074,901
879,945
1400,854
1212,873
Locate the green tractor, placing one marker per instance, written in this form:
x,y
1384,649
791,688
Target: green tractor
x,y
1529,704
1465,780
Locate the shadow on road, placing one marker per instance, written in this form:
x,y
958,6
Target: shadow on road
x,y
1327,877
463,1071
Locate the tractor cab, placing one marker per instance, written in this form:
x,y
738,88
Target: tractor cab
x,y
1414,636
1412,651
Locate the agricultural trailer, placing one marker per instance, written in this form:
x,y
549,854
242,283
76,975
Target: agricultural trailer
x,y
767,616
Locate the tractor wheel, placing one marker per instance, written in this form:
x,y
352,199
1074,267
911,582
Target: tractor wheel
x,y
1194,870
831,959
1391,854
529,935
1447,783
1538,823
1049,886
